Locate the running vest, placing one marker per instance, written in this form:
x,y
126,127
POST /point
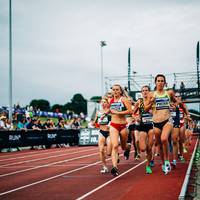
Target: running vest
x,y
146,117
175,114
161,101
103,120
118,106
130,115
181,115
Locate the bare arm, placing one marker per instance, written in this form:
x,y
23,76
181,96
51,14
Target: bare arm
x,y
149,102
125,112
172,95
136,107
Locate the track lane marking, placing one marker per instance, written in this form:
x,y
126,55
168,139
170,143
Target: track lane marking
x,y
108,182
46,165
39,153
47,179
56,176
44,158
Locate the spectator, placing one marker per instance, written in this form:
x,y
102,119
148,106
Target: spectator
x,y
29,123
76,123
61,123
182,86
91,124
82,116
3,123
49,124
67,125
174,87
9,124
39,124
21,124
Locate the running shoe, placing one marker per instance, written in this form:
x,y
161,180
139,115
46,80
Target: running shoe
x,y
137,157
163,168
19,149
173,164
182,159
114,171
148,170
151,163
166,167
104,170
127,154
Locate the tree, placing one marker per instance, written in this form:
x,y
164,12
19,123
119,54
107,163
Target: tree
x,y
96,99
78,104
58,108
68,106
42,104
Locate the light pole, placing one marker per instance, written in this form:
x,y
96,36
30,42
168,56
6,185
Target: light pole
x,y
10,60
102,44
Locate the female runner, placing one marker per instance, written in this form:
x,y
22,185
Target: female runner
x,y
178,133
145,128
160,101
120,106
184,114
104,139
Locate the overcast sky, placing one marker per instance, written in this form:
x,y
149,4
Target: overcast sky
x,y
56,44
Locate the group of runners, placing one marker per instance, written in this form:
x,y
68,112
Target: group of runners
x,y
158,120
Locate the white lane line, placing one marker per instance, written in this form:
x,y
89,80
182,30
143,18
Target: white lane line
x,y
66,165
46,165
48,179
108,182
39,153
45,158
53,177
12,155
53,166
187,175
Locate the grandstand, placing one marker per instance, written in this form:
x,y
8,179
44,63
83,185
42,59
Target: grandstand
x,y
174,80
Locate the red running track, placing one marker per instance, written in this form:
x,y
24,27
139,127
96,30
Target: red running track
x,y
73,173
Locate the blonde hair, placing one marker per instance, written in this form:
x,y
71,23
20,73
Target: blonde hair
x,y
124,93
108,95
104,98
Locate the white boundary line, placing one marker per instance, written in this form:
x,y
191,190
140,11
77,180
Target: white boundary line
x,y
187,176
45,158
108,182
48,179
11,155
56,176
46,165
27,155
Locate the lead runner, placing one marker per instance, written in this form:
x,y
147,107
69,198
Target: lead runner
x,y
160,101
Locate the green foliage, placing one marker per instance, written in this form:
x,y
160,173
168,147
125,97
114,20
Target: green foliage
x,y
96,99
58,107
78,104
42,104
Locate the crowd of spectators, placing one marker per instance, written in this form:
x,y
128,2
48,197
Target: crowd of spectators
x,y
28,118
38,124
